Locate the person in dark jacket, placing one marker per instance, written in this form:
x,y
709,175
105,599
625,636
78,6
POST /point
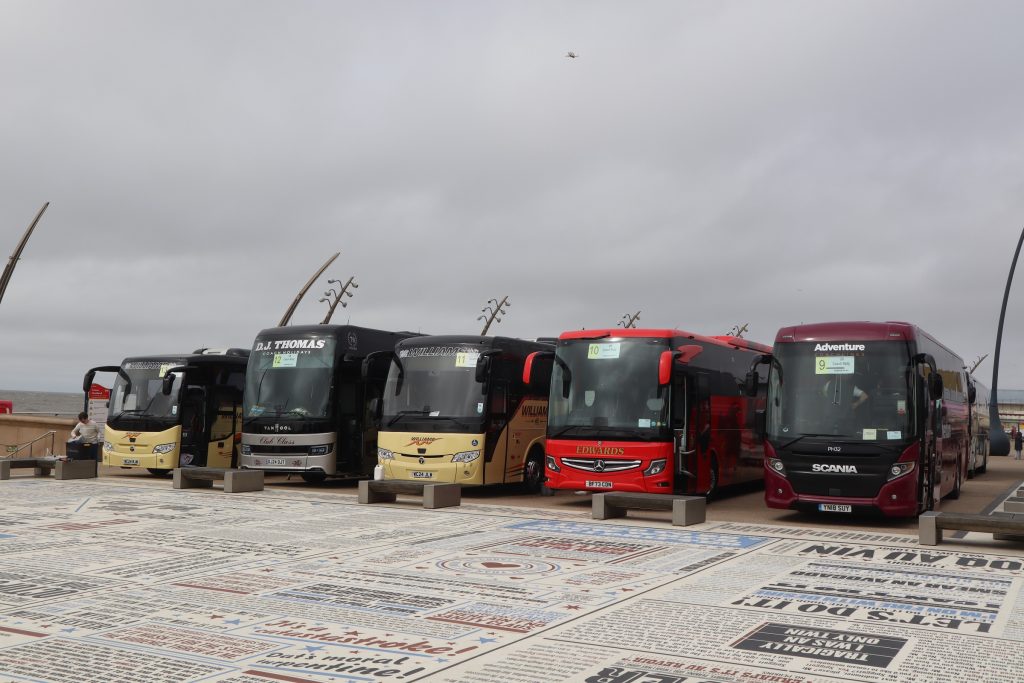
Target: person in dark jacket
x,y
1018,443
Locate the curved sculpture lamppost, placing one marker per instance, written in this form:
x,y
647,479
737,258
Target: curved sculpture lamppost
x,y
5,279
333,297
629,321
491,311
302,292
999,442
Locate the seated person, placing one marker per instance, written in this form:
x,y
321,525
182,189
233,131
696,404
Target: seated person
x,y
85,431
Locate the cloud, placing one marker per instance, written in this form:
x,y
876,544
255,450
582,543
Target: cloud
x,y
708,164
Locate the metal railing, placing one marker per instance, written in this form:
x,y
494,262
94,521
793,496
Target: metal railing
x,y
13,450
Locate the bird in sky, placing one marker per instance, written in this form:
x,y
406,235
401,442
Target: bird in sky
x,y
570,55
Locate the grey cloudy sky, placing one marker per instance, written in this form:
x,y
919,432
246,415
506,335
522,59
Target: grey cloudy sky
x,y
710,163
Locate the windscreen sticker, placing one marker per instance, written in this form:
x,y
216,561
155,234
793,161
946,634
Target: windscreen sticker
x,y
870,434
833,365
164,367
603,351
901,407
643,423
894,434
285,360
466,360
479,408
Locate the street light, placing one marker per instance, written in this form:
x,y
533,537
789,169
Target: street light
x,y
629,321
491,312
737,331
337,296
999,442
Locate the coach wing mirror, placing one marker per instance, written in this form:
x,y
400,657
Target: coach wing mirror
x,y
750,383
665,367
528,365
566,375
168,382
374,406
972,393
753,378
483,364
760,423
91,375
369,363
935,385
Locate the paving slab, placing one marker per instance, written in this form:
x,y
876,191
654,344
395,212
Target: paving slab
x,y
106,580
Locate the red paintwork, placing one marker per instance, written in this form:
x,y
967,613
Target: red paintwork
x,y
736,448
955,415
847,331
528,367
665,368
631,480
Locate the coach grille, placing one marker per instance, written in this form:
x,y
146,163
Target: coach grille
x,y
601,465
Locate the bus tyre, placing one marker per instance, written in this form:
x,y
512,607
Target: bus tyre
x,y
158,473
957,482
533,472
927,483
314,477
713,485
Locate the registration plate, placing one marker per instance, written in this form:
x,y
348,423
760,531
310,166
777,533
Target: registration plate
x,y
422,475
131,461
599,484
834,507
273,461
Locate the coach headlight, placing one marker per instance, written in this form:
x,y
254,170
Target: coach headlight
x,y
385,454
107,446
656,467
164,448
899,469
466,456
776,466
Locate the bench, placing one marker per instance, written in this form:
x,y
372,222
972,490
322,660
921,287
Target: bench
x,y
1015,504
41,467
686,510
76,469
1004,526
434,495
235,481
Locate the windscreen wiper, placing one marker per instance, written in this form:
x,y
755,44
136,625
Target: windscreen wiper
x,y
793,441
592,429
402,413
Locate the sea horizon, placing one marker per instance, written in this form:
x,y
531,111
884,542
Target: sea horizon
x,y
57,403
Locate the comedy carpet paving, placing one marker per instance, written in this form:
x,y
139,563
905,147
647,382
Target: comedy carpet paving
x,y
103,582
